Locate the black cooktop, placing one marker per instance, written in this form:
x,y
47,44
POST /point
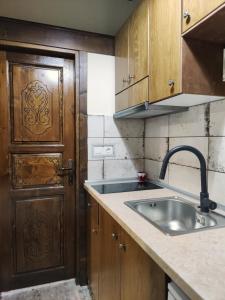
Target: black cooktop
x,y
125,187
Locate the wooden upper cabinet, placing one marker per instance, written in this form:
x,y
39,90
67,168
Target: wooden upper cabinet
x,y
138,43
121,54
165,49
132,48
195,10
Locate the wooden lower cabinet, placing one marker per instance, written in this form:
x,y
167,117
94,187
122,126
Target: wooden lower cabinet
x,y
140,278
125,271
109,256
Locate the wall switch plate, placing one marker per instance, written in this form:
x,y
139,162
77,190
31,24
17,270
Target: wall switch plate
x,y
103,151
108,150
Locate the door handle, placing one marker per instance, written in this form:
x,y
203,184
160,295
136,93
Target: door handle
x,y
67,171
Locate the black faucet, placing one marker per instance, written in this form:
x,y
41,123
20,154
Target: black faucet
x,y
205,203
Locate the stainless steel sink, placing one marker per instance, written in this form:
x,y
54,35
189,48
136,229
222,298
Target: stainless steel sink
x,y
174,215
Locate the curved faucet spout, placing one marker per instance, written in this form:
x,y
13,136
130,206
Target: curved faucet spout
x,y
205,203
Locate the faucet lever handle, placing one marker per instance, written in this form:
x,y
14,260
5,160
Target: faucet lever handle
x,y
212,205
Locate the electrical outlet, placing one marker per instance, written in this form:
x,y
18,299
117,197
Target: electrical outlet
x,y
108,150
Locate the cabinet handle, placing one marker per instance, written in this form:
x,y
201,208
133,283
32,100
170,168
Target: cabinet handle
x,y
125,80
89,204
171,82
122,247
115,236
94,230
131,77
187,15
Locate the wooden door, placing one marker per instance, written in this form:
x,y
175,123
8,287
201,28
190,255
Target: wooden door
x,y
195,10
121,59
93,247
37,205
109,275
141,278
138,43
165,49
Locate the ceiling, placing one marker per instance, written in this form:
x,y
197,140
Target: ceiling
x,y
101,16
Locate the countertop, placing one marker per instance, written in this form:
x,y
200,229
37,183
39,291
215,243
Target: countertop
x,y
194,261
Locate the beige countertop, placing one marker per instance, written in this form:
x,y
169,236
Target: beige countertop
x,y
195,261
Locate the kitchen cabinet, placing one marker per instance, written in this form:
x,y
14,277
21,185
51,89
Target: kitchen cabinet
x,y
121,59
138,43
184,71
195,10
131,48
165,49
141,278
136,94
109,271
125,271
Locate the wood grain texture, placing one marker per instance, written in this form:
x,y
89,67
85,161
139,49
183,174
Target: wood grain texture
x,y
210,29
165,49
34,165
5,204
109,276
38,234
36,170
41,34
138,93
139,43
121,58
93,247
202,74
141,278
198,9
122,100
36,94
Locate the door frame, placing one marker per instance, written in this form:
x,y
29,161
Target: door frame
x,y
80,120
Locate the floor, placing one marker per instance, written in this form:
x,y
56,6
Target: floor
x,y
61,290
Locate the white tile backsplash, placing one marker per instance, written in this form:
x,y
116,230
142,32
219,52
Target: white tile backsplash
x,y
216,184
156,148
126,148
185,178
123,128
95,170
186,158
122,168
217,154
95,126
216,117
157,127
189,123
153,168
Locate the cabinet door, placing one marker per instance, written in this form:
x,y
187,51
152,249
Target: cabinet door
x,y
93,246
138,43
141,278
138,93
109,279
195,10
165,49
121,59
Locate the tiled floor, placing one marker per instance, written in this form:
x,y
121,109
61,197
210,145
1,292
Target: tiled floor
x,y
62,290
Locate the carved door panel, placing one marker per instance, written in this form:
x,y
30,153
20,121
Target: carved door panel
x,y
37,205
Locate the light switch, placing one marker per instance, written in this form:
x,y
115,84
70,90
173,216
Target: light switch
x,y
98,151
103,151
108,150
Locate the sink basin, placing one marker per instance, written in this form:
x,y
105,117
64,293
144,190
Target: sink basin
x,y
175,215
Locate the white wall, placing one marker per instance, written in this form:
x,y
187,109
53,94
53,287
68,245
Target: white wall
x,y
101,84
